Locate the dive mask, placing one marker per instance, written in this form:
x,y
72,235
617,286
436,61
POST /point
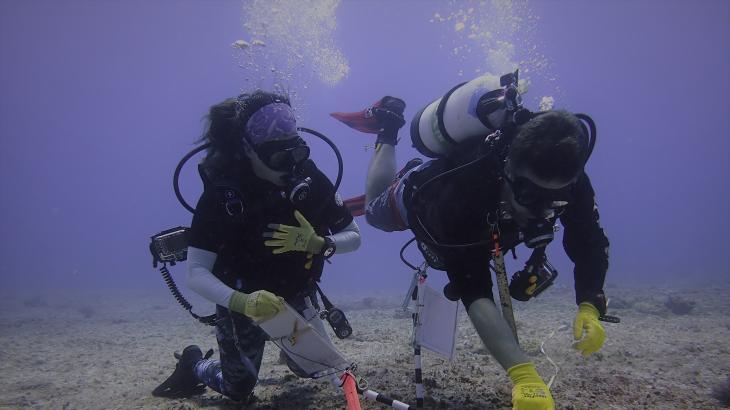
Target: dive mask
x,y
283,155
533,196
543,203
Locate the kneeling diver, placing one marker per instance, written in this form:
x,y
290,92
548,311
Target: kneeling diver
x,y
262,230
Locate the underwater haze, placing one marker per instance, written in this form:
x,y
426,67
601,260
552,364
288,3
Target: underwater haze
x,y
101,99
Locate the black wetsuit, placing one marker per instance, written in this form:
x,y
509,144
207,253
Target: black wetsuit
x,y
456,209
244,262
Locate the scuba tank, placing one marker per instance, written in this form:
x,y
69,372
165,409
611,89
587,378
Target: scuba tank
x,y
475,108
482,116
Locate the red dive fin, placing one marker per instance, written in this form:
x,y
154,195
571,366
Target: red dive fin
x,y
363,121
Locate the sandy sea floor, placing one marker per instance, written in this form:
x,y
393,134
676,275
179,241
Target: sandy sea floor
x,y
60,353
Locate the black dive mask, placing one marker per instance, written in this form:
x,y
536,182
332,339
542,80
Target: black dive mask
x,y
542,204
533,196
289,156
283,155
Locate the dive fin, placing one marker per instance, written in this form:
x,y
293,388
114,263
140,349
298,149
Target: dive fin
x,y
365,120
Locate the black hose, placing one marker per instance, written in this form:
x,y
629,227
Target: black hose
x,y
208,320
325,301
403,258
173,288
176,177
178,169
332,145
591,135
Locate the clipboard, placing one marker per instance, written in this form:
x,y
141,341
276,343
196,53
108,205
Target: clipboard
x,y
315,354
437,318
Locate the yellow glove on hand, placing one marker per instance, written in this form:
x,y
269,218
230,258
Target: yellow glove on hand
x,y
259,305
587,330
529,391
294,238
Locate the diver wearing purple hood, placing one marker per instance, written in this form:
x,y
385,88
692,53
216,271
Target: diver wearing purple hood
x,y
263,227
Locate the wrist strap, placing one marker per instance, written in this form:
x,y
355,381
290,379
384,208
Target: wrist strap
x,y
326,302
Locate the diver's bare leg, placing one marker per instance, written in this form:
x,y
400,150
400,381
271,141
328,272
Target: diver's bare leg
x,y
381,171
496,333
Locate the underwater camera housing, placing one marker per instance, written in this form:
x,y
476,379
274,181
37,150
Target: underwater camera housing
x,y
533,280
169,246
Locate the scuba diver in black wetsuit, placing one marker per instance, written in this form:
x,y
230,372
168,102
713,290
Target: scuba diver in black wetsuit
x,y
263,227
509,187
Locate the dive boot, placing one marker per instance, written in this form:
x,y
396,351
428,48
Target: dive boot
x,y
183,382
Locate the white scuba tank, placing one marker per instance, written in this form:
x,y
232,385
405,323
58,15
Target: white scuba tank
x,y
474,108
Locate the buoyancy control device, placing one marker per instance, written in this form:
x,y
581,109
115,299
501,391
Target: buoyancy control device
x,y
170,246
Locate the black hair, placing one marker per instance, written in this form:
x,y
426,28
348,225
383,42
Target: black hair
x,y
226,122
551,145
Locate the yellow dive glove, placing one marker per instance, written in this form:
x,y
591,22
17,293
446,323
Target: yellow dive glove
x,y
259,305
529,391
294,238
587,330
